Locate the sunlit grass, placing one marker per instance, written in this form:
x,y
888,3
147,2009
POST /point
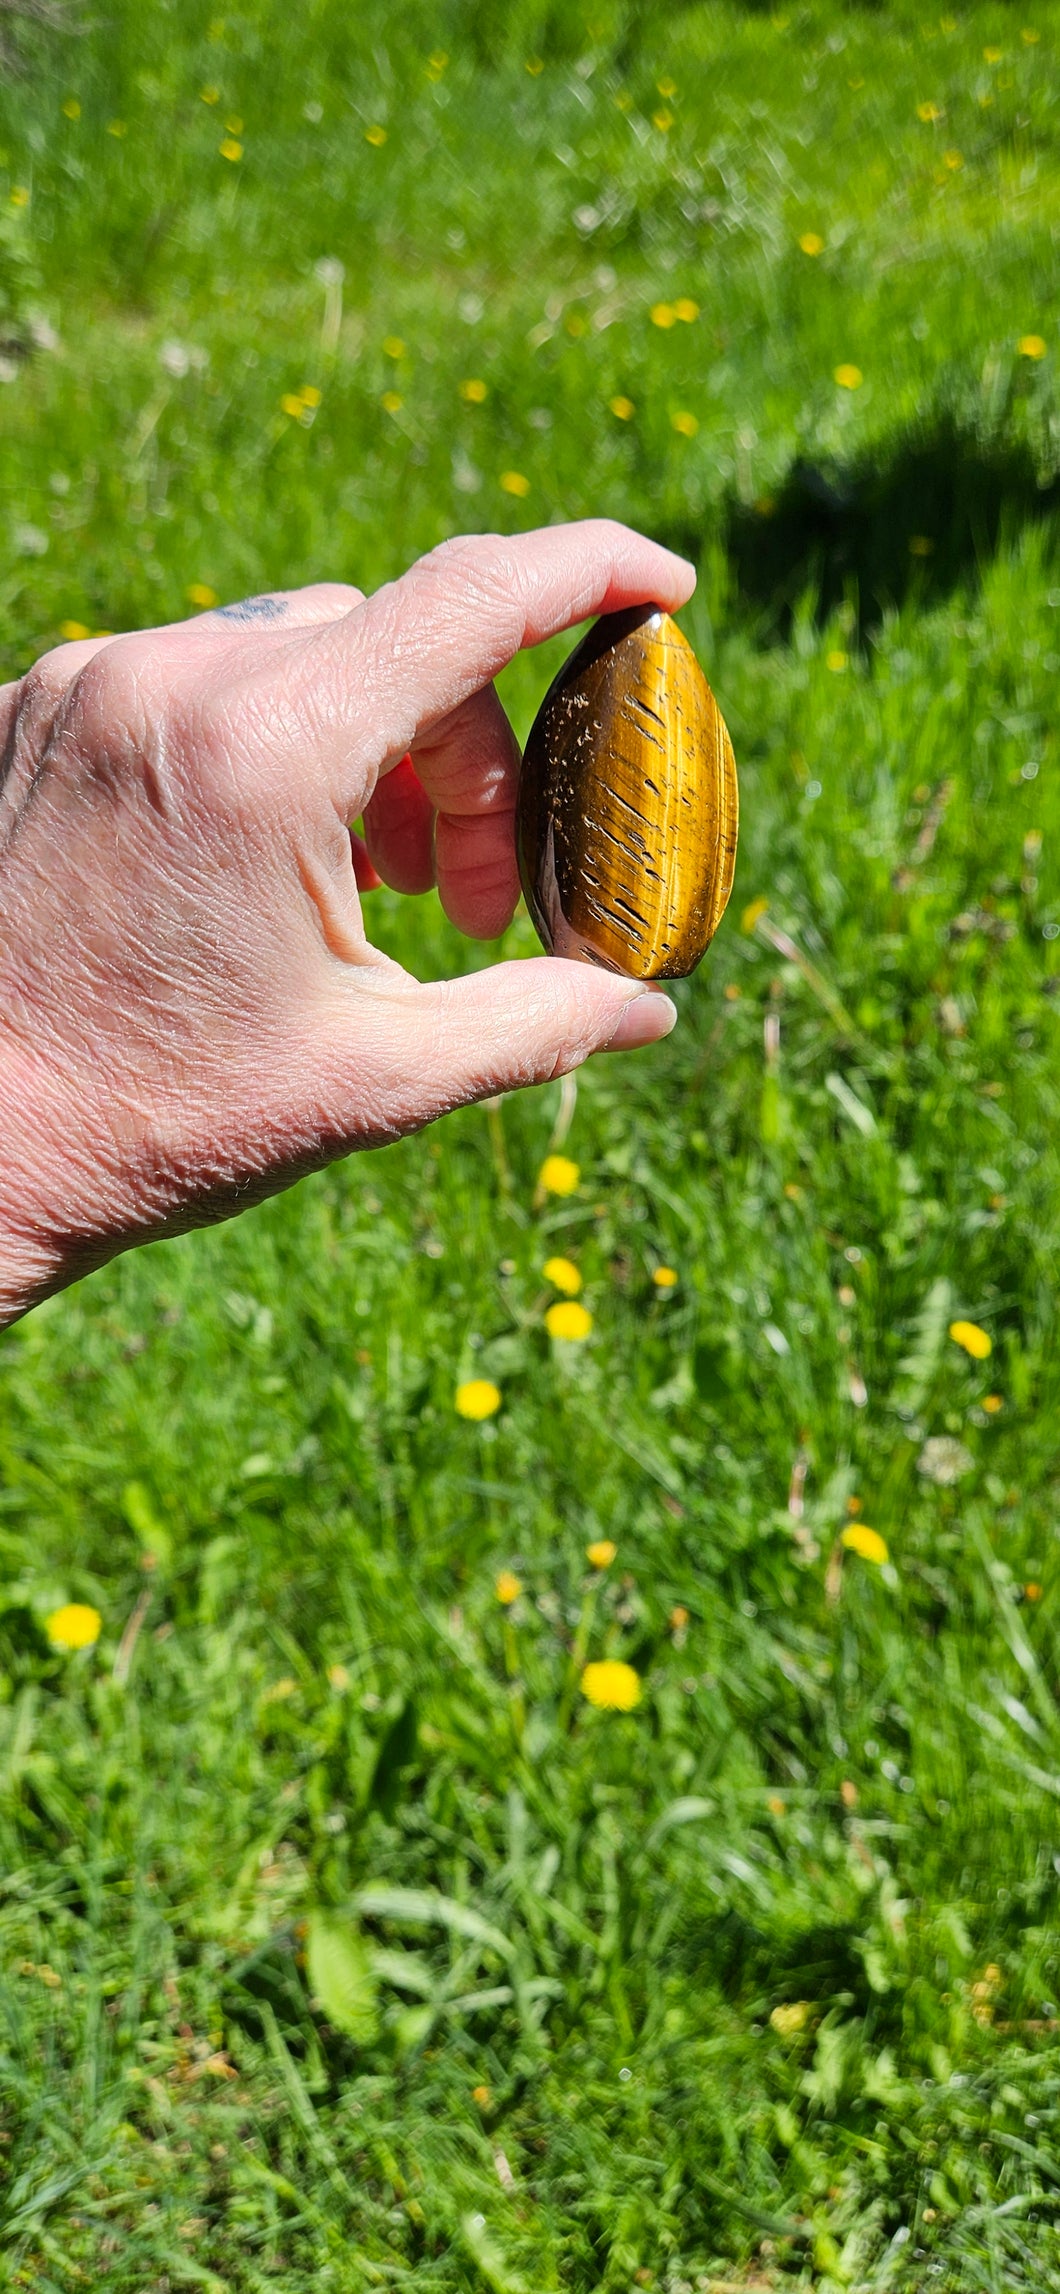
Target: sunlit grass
x,y
356,1927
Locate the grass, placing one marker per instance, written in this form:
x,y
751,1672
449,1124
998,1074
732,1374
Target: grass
x,y
344,1943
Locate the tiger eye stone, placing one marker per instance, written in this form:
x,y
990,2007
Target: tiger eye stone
x,y
628,805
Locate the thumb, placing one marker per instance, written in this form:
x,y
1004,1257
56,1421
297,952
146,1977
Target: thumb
x,y
436,1047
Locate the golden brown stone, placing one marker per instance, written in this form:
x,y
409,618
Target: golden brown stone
x,y
628,803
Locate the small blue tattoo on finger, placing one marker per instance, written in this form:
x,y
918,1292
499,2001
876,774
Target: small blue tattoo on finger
x,y
253,609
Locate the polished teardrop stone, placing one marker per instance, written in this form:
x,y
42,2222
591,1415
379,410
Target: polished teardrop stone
x,y
628,803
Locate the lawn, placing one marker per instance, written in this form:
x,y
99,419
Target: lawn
x,y
345,1942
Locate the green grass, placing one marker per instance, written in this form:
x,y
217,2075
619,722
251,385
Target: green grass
x,y
309,1727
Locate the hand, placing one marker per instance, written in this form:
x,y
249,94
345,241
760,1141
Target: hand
x,y
191,1013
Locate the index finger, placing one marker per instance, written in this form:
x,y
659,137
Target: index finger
x,y
414,651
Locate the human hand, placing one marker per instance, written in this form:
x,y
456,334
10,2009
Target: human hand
x,y
191,1012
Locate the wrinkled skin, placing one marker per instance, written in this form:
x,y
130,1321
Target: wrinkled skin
x,y
191,1012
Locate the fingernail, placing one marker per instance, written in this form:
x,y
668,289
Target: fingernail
x,y
646,1018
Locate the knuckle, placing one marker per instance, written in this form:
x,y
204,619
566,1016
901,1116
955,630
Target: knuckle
x,y
111,704
95,694
334,597
34,700
476,573
118,677
39,687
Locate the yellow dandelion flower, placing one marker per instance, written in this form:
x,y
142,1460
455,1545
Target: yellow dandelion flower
x,y
666,88
477,1398
1030,39
953,160
392,401
558,1175
200,593
685,424
664,1277
663,120
309,394
849,377
662,315
436,64
611,1685
231,148
976,1342
339,1678
116,127
928,113
393,346
234,126
622,407
482,2096
752,912
993,55
601,1552
513,482
678,1618
1032,1592
791,2017
293,404
71,108
72,630
473,391
375,135
535,65
75,1626
837,660
1031,346
19,195
563,1275
508,1588
686,310
859,1538
209,95
992,1403
278,1692
568,1320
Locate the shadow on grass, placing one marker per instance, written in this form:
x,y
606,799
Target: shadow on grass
x,y
822,1963
871,531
